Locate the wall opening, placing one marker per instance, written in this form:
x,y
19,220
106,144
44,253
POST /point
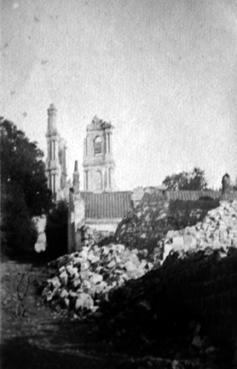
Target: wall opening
x,y
98,145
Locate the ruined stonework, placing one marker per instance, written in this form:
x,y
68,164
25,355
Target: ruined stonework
x,y
56,157
98,160
40,225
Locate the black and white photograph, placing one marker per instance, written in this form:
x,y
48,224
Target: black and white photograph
x,y
118,184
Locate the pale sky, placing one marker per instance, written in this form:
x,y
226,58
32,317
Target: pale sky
x,y
163,72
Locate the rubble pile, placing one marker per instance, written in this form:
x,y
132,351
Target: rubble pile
x,y
195,286
161,311
218,231
84,278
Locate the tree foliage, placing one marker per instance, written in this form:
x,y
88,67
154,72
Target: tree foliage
x,y
23,186
193,181
22,166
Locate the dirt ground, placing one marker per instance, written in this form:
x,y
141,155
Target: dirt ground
x,y
34,336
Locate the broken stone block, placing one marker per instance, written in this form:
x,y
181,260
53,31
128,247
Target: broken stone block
x,y
178,242
63,278
189,241
96,278
63,293
84,301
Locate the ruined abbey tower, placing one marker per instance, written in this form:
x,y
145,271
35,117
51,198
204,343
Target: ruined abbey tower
x,y
56,156
98,163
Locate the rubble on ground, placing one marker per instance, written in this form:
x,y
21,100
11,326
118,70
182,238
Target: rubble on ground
x,y
218,231
186,305
83,278
195,287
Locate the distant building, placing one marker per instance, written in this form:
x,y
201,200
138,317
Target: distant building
x,y
98,163
56,170
102,210
99,205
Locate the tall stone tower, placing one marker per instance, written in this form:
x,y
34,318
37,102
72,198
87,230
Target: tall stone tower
x,y
98,161
76,178
56,156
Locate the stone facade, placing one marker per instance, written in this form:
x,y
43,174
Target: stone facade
x,y
56,157
98,163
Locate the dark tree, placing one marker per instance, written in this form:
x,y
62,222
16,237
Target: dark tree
x,y
23,187
192,181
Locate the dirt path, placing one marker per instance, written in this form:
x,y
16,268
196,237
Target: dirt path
x,y
35,336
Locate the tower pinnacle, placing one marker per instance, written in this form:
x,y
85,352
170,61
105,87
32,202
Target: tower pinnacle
x,y
52,117
76,178
56,155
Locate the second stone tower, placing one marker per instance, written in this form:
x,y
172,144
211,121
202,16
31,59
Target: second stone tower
x,y
98,163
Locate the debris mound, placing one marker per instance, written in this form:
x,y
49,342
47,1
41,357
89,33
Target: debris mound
x,y
195,285
160,312
218,231
84,278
